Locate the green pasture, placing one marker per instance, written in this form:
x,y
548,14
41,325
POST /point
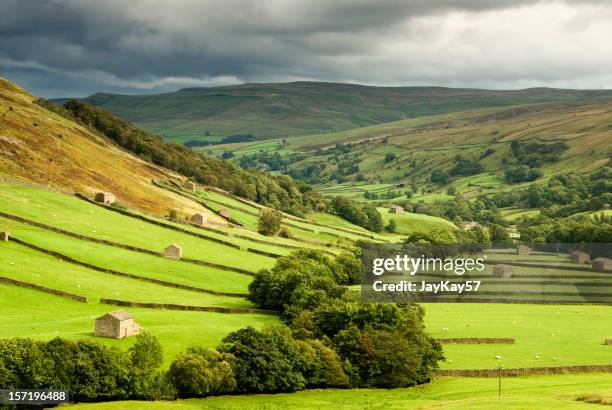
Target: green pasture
x,y
134,263
546,335
78,216
408,223
24,264
38,315
526,392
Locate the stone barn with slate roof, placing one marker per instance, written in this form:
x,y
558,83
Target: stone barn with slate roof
x,y
198,219
580,257
5,236
223,212
173,251
602,264
105,198
190,186
118,325
523,250
503,270
396,209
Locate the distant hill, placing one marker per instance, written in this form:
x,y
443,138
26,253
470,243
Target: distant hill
x,y
302,108
389,159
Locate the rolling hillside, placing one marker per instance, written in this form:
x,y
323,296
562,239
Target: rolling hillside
x,y
39,146
302,108
397,156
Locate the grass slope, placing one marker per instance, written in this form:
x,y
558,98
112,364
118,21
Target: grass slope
x,y
300,108
30,313
39,146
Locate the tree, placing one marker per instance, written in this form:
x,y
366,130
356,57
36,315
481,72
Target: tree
x,y
201,372
498,234
264,361
322,366
269,221
304,278
389,157
439,177
392,226
146,353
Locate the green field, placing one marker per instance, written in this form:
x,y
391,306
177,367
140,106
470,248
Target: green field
x,y
408,223
30,313
541,392
545,335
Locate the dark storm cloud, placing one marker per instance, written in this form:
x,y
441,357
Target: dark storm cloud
x,y
72,47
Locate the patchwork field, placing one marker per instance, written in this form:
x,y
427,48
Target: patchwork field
x,y
544,335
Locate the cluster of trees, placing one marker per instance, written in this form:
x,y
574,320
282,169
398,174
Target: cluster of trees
x,y
390,194
521,173
439,177
362,214
464,167
580,229
270,161
90,371
280,192
460,209
345,343
535,154
563,195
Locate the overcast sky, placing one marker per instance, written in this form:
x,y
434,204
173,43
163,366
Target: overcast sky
x,y
78,47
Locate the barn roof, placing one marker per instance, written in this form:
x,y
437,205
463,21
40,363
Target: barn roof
x,y
119,315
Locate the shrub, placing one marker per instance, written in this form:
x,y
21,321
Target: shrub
x,y
264,361
303,278
201,372
269,221
285,233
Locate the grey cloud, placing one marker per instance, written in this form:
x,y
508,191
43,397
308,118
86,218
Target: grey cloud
x,y
75,47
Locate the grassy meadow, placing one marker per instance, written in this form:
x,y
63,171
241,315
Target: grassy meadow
x,y
526,392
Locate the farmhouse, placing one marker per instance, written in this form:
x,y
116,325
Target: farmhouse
x,y
118,325
198,219
223,212
580,257
466,226
105,198
602,264
503,270
5,236
173,251
396,209
190,186
523,250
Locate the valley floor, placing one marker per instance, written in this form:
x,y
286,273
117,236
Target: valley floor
x,y
541,392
